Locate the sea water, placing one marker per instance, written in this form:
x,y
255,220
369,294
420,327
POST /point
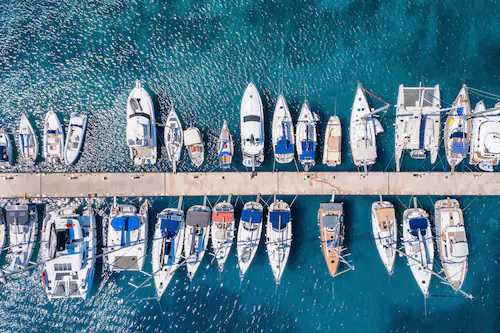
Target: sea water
x,y
84,56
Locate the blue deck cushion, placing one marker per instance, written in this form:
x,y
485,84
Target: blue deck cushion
x,y
125,223
418,223
460,111
308,150
460,148
253,214
284,146
274,216
169,227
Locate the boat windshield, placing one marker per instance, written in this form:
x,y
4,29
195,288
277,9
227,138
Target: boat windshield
x,y
251,118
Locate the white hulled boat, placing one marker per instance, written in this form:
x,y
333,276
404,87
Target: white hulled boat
x,y
22,220
306,137
194,145
385,232
3,231
485,137
223,228
278,237
226,147
6,154
332,149
28,141
252,127
196,237
53,138
283,136
74,138
174,138
249,232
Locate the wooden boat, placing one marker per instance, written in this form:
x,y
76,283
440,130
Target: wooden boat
x,y
333,142
331,229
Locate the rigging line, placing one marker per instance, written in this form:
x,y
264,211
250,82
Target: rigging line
x,y
388,164
470,203
442,101
397,197
478,91
374,96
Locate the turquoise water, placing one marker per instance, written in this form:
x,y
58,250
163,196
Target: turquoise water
x,y
199,55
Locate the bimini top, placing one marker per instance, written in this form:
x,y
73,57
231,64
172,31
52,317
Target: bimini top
x,y
169,225
284,146
279,219
332,206
125,223
251,214
308,150
418,223
197,218
331,221
459,148
18,214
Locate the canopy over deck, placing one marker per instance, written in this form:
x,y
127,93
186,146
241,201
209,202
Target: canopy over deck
x,y
253,215
198,218
279,219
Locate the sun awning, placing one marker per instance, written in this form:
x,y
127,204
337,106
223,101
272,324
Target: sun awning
x,y
279,219
251,214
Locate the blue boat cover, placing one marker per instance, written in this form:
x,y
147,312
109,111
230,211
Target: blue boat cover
x,y
125,223
308,150
460,111
421,139
460,148
284,146
253,214
274,216
168,227
459,135
418,223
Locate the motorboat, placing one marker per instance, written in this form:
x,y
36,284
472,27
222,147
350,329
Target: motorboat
x,y
126,235
141,127
53,139
332,149
194,145
174,138
278,237
196,237
168,243
223,228
385,232
252,127
6,154
28,141
418,123
457,129
283,135
306,137
485,137
68,253
226,147
452,239
74,138
249,232
331,229
3,231
22,220
419,245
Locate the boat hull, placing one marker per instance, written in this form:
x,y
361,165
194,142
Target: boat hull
x,y
75,138
385,233
249,234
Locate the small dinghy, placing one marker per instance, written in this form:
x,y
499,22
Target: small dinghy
x,y
485,137
333,142
28,142
226,147
168,243
68,251
278,237
385,232
6,157
3,231
22,220
306,137
223,228
196,237
174,138
283,136
194,145
53,139
249,232
252,127
74,138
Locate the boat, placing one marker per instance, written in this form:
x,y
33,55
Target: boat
x,y
196,237
457,129
22,220
419,245
168,241
306,137
28,142
3,231
485,137
283,136
223,228
74,138
278,237
126,235
6,154
249,232
452,239
385,232
418,123
53,139
252,127
141,127
194,145
174,138
226,147
68,253
333,142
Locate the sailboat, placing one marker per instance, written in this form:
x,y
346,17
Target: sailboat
x,y
22,220
196,237
252,127
306,137
385,232
74,139
452,239
68,251
278,237
283,136
168,241
53,138
6,157
226,147
3,231
28,141
174,138
456,129
485,137
194,145
223,228
249,232
419,245
332,149
126,235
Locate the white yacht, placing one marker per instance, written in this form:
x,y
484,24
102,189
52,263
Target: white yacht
x,y
418,122
485,137
53,139
223,227
74,138
385,232
306,137
252,127
194,145
68,253
6,154
283,136
196,237
141,126
226,147
278,237
22,220
174,138
3,231
249,232
332,149
28,141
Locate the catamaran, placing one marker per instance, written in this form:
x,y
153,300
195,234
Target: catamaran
x,y
196,237
333,140
28,141
226,147
249,232
68,251
452,240
418,122
419,245
385,232
168,243
223,228
53,138
194,145
283,136
141,126
174,138
278,237
126,235
23,228
6,157
252,127
456,129
74,139
485,137
306,137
